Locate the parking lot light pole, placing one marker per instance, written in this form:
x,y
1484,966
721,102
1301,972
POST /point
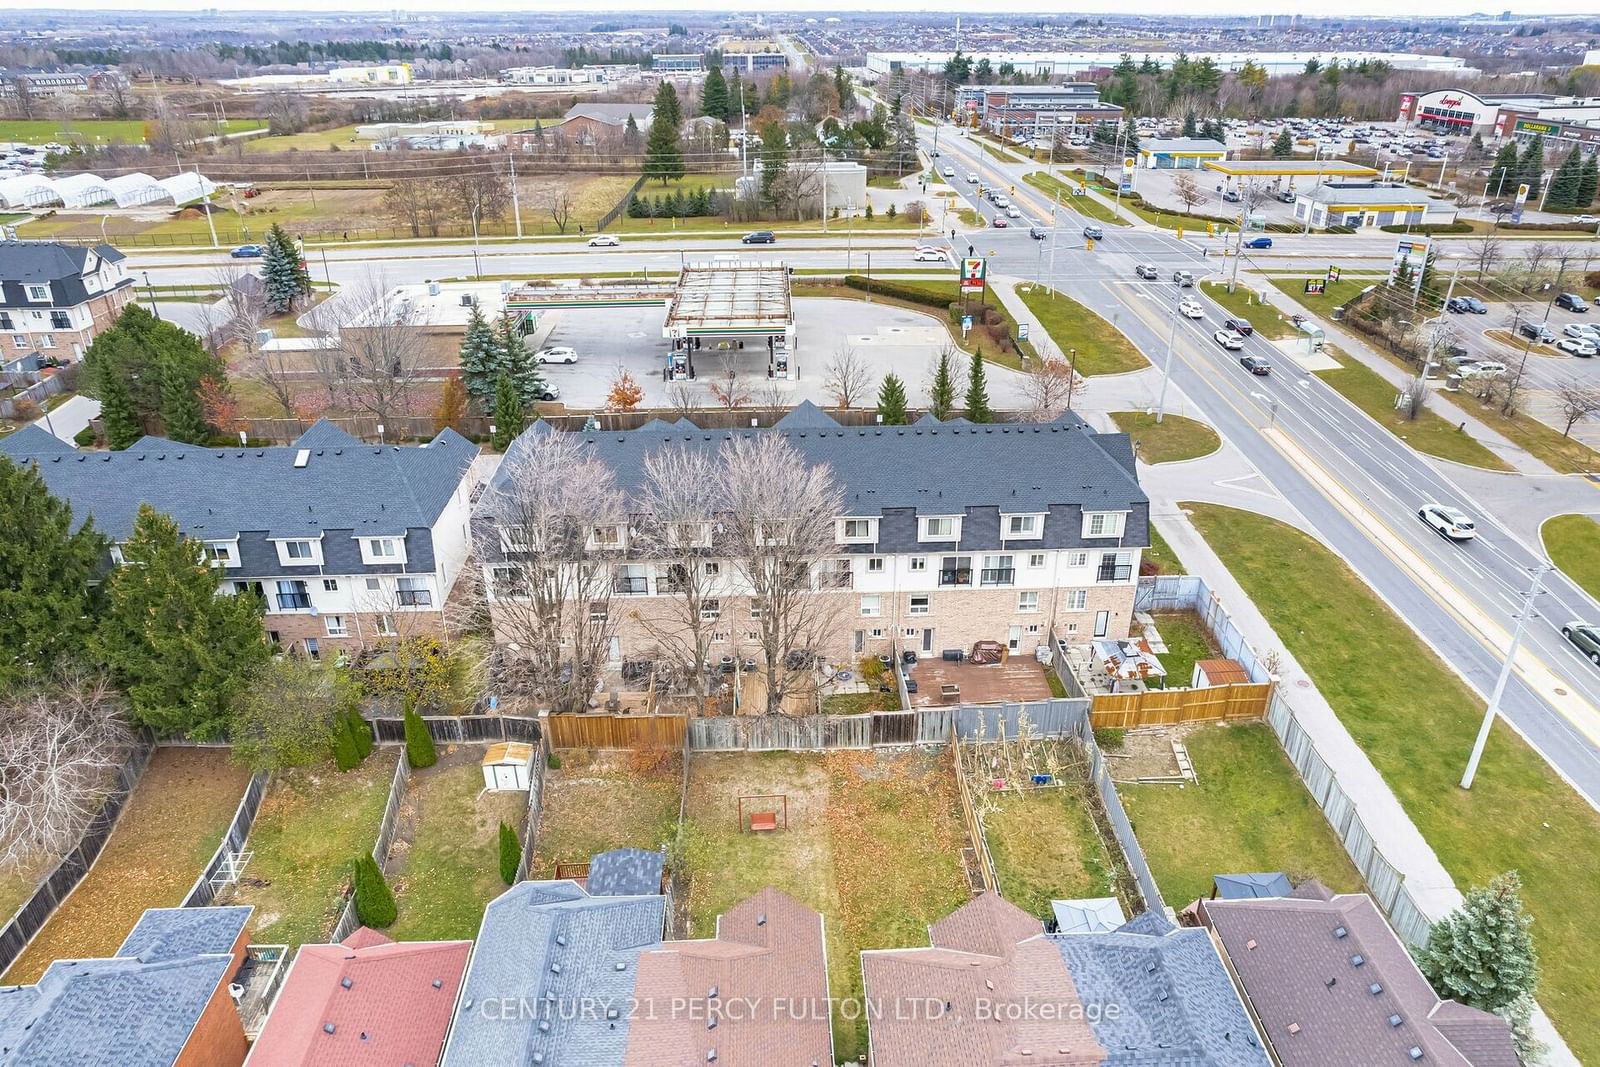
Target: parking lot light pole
x,y
1493,709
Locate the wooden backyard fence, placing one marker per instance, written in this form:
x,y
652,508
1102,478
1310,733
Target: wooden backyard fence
x,y
615,731
1169,707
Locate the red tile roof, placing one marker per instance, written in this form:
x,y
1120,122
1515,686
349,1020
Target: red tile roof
x,y
769,968
391,1012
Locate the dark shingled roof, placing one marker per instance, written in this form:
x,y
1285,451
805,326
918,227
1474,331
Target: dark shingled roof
x,y
624,872
173,933
39,262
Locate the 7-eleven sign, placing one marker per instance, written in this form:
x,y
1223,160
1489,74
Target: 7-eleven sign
x,y
973,270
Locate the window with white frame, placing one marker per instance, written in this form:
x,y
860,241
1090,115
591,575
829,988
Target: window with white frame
x,y
1035,561
46,340
752,635
1077,559
330,585
874,564
384,626
689,534
710,608
1115,567
386,549
909,631
712,568
299,553
414,593
1076,600
872,605
1072,627
755,611
508,581
598,611
374,585
919,563
719,637
919,605
1028,601
606,536
1024,526
335,626
877,631
1033,628
939,528
997,570
1102,523
857,531
220,552
518,538
38,292
20,340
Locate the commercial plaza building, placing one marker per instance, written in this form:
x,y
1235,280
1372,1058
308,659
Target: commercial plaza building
x,y
1032,111
1563,120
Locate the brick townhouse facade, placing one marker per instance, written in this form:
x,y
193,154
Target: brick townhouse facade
x,y
349,544
56,298
953,533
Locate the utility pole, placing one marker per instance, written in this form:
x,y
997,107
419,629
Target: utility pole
x,y
1493,709
1166,367
210,222
516,204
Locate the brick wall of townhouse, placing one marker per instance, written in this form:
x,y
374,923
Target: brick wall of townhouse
x,y
27,334
360,629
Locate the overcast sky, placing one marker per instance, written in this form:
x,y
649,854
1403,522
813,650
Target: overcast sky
x,y
1179,7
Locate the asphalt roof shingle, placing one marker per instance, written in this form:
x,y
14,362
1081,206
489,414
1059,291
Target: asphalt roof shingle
x,y
173,933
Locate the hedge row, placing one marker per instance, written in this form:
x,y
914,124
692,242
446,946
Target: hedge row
x,y
1568,227
910,294
1430,228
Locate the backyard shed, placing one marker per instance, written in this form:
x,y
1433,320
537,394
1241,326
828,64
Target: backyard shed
x,y
508,765
1212,672
1250,886
1091,915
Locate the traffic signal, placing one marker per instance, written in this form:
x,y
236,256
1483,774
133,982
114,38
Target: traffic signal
x,y
1180,233
1088,243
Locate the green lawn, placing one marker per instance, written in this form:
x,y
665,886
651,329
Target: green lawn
x,y
1248,812
1417,726
1172,439
1160,553
1573,542
1187,643
451,867
1083,205
873,842
1340,293
97,131
1429,432
1045,847
1565,454
596,802
1244,303
1101,347
312,825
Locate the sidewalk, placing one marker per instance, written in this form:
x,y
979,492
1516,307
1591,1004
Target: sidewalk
x,y
1392,831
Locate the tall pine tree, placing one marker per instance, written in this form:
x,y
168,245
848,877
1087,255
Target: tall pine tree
x,y
509,414
663,155
714,95
480,358
942,394
1530,167
892,401
1283,144
143,368
182,417
177,650
1564,183
1503,174
774,163
1482,953
287,281
978,392
50,594
517,363
117,417
1588,183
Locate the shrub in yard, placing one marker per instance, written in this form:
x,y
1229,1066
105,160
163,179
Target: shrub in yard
x,y
553,761
374,899
361,732
419,743
1482,953
84,437
510,853
1108,736
345,756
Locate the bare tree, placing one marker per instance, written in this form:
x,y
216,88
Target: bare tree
x,y
552,530
1049,385
778,528
561,208
1534,256
327,361
1187,190
727,388
680,497
1578,401
847,377
382,350
684,399
1415,398
58,750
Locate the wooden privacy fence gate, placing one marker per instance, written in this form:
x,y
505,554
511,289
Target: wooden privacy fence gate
x,y
1169,707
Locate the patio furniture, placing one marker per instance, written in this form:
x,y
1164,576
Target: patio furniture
x,y
949,692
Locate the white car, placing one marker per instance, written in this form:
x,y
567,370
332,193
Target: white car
x,y
1001,200
949,172
1583,331
1586,219
1486,368
1228,339
1577,346
558,354
972,177
1013,213
604,240
930,255
1448,522
1190,309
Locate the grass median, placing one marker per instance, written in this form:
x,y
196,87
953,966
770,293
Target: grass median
x,y
1066,193
1100,347
1573,542
1244,303
1172,439
1428,432
1416,720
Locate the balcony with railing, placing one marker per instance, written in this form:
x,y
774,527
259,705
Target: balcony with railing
x,y
629,586
294,601
1112,571
998,576
956,576
415,598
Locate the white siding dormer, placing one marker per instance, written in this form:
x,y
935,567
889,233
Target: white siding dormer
x,y
689,534
1100,524
1027,526
855,531
223,553
939,527
380,550
613,536
299,551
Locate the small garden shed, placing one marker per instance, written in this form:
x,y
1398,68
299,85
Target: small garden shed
x,y
508,765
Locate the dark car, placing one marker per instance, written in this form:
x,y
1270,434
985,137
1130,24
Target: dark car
x,y
1259,242
1476,306
759,237
1239,326
1255,365
1457,304
1501,209
248,252
1538,331
1572,302
1038,233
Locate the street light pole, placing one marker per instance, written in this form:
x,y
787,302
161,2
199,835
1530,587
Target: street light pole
x,y
1493,709
154,307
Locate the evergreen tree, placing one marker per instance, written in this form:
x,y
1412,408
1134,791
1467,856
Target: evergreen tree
x,y
1190,126
663,155
509,414
1482,953
774,162
517,362
942,394
1530,167
632,139
668,106
978,392
345,756
510,853
1588,183
420,752
1283,144
845,87
1130,137
892,401
360,730
181,414
178,650
121,424
50,594
1503,174
714,95
1564,183
287,281
374,899
480,358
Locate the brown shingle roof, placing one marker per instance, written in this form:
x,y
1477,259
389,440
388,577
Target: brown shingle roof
x,y
1297,971
769,968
